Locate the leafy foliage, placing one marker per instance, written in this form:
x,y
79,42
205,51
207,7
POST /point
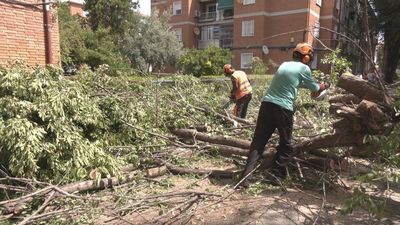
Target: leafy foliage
x,y
150,41
338,64
60,129
46,126
81,45
258,66
115,15
361,199
205,62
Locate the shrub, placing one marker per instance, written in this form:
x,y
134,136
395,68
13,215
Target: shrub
x,y
209,61
258,66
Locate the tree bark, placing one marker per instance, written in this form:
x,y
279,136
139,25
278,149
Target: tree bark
x,y
362,89
347,99
212,173
215,139
330,141
17,207
391,53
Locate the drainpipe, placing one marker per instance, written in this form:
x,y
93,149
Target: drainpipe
x,y
305,34
47,31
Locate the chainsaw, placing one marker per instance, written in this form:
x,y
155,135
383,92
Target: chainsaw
x,y
227,104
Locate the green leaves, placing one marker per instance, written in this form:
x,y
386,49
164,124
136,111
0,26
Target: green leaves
x,y
150,41
339,65
45,126
82,45
205,62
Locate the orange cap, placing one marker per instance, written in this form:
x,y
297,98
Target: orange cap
x,y
304,48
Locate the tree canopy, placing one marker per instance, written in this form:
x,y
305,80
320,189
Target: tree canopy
x,y
113,14
151,41
81,45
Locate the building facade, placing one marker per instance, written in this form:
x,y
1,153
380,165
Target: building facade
x,y
265,29
28,33
76,7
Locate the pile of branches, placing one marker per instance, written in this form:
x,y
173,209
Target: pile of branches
x,y
361,108
129,126
53,203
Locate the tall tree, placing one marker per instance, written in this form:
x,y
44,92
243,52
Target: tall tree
x,y
151,42
112,14
388,16
81,45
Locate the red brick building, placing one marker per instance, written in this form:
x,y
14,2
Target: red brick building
x,y
76,7
28,33
254,28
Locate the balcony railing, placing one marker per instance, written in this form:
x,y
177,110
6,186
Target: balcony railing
x,y
226,43
208,16
223,43
204,44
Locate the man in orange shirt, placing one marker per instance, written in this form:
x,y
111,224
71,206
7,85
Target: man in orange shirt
x,y
241,90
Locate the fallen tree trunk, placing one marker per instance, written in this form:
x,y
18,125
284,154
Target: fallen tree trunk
x,y
363,90
215,139
341,110
322,141
345,99
212,173
347,126
241,120
330,141
229,151
16,207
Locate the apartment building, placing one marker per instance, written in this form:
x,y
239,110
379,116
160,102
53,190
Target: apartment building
x,y
254,28
352,29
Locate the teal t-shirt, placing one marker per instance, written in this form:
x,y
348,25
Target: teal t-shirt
x,y
288,77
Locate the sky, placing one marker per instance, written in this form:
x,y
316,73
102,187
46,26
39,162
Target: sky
x,y
145,7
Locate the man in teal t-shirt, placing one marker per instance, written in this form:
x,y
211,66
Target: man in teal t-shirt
x,y
276,110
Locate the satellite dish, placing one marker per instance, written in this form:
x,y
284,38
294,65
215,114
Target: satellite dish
x,y
265,49
196,31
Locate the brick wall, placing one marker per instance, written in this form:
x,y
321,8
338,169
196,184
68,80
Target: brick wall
x,y
76,9
22,35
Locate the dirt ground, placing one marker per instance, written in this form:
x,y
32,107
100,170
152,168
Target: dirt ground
x,y
267,206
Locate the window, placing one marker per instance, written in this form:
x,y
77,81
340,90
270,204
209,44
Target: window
x,y
319,2
211,8
248,28
178,34
207,33
248,2
177,8
245,60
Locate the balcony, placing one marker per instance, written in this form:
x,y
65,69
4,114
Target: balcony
x,y
222,43
226,43
206,43
208,16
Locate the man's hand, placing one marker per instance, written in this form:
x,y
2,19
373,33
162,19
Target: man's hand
x,y
322,87
232,98
228,101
